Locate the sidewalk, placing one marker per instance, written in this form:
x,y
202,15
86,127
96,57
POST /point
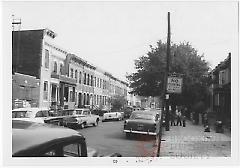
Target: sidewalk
x,y
192,141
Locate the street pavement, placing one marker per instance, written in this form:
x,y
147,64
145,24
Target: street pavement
x,y
108,137
192,141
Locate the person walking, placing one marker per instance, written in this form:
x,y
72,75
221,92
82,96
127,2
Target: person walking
x,y
172,118
184,117
178,113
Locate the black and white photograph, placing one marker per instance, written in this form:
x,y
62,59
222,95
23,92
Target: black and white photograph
x,y
120,83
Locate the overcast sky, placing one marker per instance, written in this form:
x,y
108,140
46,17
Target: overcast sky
x,y
112,35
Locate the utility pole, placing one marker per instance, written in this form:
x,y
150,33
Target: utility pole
x,y
166,75
159,137
17,22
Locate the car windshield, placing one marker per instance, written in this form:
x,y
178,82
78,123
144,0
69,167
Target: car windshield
x,y
79,111
44,113
142,116
21,114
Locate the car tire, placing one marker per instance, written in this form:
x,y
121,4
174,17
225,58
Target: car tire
x,y
128,134
96,123
83,125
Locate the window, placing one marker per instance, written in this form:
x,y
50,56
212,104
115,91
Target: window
x,y
72,150
71,73
71,96
20,114
85,76
76,73
78,111
80,76
61,69
55,67
88,79
95,82
86,112
50,153
42,114
45,91
46,58
91,80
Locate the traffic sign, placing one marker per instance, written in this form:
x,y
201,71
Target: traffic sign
x,y
174,84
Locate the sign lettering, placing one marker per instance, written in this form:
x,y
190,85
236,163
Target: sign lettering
x,y
174,85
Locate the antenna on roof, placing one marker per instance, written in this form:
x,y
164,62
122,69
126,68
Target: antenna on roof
x,y
16,21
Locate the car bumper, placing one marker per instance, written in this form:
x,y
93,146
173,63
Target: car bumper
x,y
71,123
115,118
140,132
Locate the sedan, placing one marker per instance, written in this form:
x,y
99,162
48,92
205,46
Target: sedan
x,y
142,122
113,116
31,139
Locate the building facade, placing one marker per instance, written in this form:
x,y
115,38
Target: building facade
x,y
221,91
65,80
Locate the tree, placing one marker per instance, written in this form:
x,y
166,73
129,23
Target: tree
x,y
149,78
118,102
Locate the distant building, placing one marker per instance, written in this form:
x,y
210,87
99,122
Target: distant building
x,y
221,91
64,79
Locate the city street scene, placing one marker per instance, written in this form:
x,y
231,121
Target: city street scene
x,y
122,79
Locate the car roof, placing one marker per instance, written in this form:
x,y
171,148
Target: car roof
x,y
81,109
150,112
30,109
26,134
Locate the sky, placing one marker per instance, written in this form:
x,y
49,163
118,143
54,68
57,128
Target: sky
x,y
111,35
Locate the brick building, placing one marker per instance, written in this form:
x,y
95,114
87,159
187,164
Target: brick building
x,y
221,91
65,80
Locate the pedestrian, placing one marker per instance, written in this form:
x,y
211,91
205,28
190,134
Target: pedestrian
x,y
172,118
184,116
205,118
178,113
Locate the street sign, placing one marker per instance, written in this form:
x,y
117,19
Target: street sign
x,y
174,84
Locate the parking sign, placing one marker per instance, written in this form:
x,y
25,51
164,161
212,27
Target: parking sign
x,y
174,84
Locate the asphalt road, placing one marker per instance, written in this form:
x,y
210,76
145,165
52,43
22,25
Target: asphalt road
x,y
108,137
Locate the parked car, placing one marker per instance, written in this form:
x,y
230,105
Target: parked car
x,y
113,116
81,117
33,114
143,122
56,118
99,112
31,139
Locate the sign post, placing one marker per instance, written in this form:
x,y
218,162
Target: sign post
x,y
174,84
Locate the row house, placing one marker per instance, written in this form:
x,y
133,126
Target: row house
x,y
221,91
65,80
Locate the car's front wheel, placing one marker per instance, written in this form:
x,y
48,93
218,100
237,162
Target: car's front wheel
x,y
83,125
96,123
